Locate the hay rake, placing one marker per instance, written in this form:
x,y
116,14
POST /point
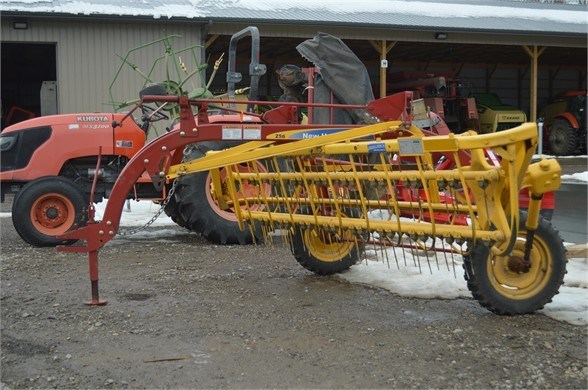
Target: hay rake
x,y
329,187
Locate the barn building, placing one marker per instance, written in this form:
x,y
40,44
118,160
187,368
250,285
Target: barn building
x,y
61,56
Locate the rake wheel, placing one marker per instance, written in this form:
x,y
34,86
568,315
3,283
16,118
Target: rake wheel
x,y
324,252
502,286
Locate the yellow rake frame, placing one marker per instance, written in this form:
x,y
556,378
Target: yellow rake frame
x,y
386,166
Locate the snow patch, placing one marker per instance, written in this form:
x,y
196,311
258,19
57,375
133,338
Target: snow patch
x,y
421,8
581,176
136,213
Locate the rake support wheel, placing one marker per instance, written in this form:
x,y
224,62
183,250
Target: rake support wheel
x,y
324,252
500,284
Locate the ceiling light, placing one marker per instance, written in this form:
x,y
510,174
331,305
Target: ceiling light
x,y
20,25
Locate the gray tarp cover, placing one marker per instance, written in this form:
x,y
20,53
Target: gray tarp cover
x,y
342,73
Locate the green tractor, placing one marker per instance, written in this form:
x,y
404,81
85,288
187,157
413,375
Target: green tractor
x,y
565,124
495,115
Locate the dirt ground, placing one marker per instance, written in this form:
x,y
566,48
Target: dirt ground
x,y
184,313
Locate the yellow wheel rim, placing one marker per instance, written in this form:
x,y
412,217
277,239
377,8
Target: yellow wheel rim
x,y
507,278
326,246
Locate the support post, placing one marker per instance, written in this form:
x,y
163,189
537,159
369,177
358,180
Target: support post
x,y
534,53
383,49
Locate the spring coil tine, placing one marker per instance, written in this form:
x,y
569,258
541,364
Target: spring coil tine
x,y
429,198
333,193
467,198
262,192
276,166
392,191
250,220
309,190
361,194
378,197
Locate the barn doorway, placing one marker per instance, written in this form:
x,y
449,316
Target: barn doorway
x,y
29,75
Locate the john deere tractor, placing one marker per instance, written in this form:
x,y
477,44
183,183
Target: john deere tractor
x,y
565,123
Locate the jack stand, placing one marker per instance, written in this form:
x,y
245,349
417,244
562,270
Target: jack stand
x,y
93,262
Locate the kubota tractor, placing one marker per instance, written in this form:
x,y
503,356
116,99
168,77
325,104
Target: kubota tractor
x,y
565,123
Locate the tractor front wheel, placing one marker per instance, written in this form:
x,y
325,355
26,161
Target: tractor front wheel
x,y
46,208
505,285
563,138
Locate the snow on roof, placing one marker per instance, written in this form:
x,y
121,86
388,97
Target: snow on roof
x,y
458,14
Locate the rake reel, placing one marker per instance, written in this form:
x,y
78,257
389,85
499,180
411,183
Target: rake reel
x,y
335,191
329,194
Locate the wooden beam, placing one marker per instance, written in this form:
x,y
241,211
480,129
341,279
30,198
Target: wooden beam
x,y
383,49
534,52
376,46
210,41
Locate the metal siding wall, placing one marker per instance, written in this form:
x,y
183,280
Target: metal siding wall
x,y
86,60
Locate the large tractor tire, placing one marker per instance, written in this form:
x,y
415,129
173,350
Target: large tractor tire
x,y
48,207
194,207
172,210
325,253
563,138
504,286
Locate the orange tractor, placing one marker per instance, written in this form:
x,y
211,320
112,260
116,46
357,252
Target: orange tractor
x,y
565,123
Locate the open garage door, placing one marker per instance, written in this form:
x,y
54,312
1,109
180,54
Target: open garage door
x,y
29,74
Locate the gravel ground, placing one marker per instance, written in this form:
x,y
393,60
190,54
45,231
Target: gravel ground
x,y
184,313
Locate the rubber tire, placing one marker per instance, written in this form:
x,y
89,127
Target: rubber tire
x,y
303,253
30,193
195,211
172,211
568,136
480,282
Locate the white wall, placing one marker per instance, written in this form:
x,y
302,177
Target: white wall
x,y
87,61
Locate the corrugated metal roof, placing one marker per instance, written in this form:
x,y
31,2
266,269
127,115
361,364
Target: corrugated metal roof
x,y
500,16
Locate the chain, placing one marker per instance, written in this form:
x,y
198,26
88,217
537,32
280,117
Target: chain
x,y
161,209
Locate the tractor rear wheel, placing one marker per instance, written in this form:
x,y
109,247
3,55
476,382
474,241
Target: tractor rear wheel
x,y
48,207
324,252
503,285
172,211
197,210
563,138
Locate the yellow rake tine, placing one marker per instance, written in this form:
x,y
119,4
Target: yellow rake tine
x,y
308,190
361,195
262,192
250,219
283,188
333,193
